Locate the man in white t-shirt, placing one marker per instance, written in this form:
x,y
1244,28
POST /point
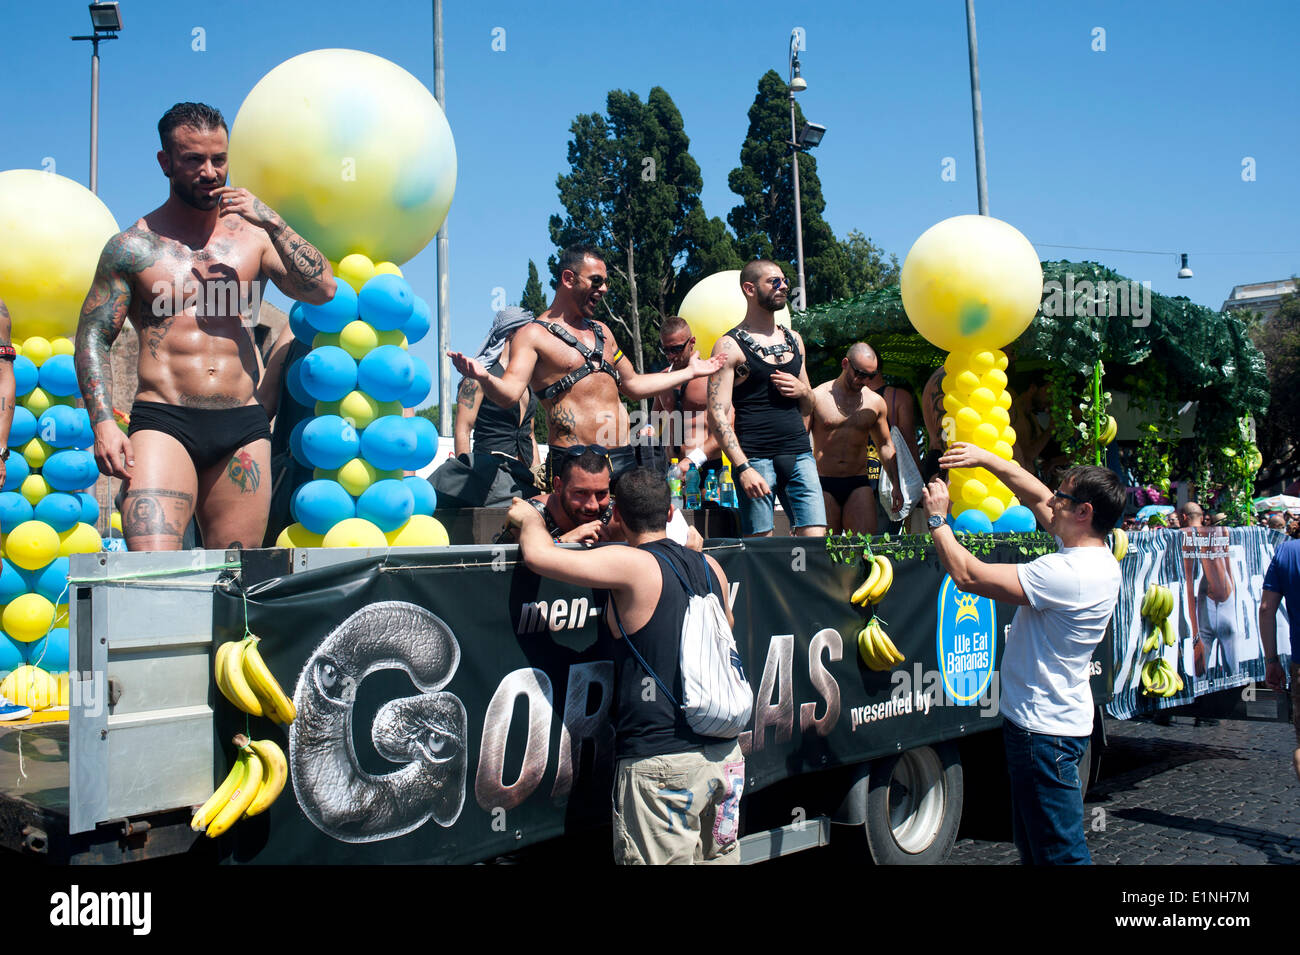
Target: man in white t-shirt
x,y
1067,599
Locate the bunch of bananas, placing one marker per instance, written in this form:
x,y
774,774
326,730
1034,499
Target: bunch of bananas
x,y
877,650
254,783
1157,604
1112,428
877,582
244,679
1119,543
1160,679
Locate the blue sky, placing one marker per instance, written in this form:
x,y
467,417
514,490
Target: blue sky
x,y
1138,147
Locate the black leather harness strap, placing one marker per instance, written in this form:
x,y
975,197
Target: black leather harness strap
x,y
768,351
589,355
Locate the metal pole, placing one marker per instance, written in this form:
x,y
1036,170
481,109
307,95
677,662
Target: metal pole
x,y
977,110
802,304
444,291
94,118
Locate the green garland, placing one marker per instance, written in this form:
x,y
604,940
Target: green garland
x,y
849,547
1149,395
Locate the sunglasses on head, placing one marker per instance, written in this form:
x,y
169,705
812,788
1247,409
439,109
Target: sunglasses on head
x,y
1068,497
578,450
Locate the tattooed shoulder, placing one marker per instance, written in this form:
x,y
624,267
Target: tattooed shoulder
x,y
468,390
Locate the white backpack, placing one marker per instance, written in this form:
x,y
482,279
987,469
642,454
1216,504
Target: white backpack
x,y
717,699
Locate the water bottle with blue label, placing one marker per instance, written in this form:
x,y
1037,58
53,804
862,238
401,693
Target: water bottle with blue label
x,y
691,489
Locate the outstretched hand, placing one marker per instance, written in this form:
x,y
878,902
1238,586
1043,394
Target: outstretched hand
x,y
468,367
705,366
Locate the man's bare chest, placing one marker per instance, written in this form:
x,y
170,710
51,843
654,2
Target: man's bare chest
x,y
220,279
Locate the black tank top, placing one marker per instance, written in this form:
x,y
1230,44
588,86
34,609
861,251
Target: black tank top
x,y
654,727
499,429
767,422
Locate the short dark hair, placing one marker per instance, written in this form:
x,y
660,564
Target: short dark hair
x,y
588,460
197,115
571,259
642,498
752,270
1101,488
673,324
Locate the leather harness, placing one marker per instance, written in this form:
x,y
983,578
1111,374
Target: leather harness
x,y
589,355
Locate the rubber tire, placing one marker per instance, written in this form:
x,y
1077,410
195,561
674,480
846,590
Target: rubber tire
x,y
940,766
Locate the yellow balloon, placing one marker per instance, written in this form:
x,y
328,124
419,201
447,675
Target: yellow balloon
x,y
998,417
360,409
1002,361
1002,493
52,231
358,338
355,532
994,380
960,507
986,435
63,346
981,399
37,349
715,305
387,268
964,383
34,488
971,282
394,337
80,538
952,404
1004,400
357,475
60,615
956,362
967,418
974,491
420,531
1003,450
30,686
321,339
27,617
62,679
1009,435
295,535
36,451
992,507
356,269
115,521
351,149
38,401
982,362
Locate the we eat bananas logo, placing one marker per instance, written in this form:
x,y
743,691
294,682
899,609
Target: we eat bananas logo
x,y
966,635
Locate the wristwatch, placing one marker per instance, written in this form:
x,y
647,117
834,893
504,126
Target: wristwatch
x,y
4,453
935,521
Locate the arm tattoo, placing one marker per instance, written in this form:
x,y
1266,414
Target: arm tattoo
x,y
467,392
719,420
125,255
304,266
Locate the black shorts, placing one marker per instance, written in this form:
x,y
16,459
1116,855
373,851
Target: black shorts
x,y
209,435
841,487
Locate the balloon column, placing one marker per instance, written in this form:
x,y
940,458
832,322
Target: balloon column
x,y
47,513
360,375
970,285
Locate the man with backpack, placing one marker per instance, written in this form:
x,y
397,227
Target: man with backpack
x,y
679,774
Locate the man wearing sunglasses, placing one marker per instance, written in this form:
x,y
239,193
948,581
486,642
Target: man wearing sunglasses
x,y
1065,602
848,419
688,437
764,384
576,367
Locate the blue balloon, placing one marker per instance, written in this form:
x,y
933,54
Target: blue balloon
x,y
328,373
330,442
421,384
426,498
387,504
299,325
14,510
26,375
59,426
50,652
12,654
385,373
293,381
973,521
1017,518
59,509
13,583
70,470
16,471
389,442
418,325
333,315
295,442
319,505
85,436
426,442
89,508
386,302
51,581
58,376
23,428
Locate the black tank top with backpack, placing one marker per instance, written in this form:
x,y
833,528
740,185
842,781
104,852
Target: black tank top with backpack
x,y
767,422
654,726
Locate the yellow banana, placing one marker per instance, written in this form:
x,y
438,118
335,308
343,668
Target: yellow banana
x,y
208,811
1167,630
1152,639
1111,430
892,653
1146,601
1169,602
275,771
861,594
1120,546
264,684
866,649
250,781
236,688
886,578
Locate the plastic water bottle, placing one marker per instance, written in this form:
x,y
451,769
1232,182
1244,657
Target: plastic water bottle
x,y
711,489
675,486
691,489
726,489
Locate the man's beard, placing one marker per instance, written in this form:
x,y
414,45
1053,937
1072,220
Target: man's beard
x,y
769,300
196,195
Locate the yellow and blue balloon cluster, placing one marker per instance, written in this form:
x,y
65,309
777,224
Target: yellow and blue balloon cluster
x,y
47,514
360,376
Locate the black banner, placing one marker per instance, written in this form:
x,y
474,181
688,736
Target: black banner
x,y
453,707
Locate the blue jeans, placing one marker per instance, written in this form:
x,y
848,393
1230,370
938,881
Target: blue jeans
x,y
800,493
1046,802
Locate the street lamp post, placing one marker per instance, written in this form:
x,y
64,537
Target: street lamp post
x,y
977,110
106,22
797,84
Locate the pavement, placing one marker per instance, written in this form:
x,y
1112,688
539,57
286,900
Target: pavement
x,y
1180,794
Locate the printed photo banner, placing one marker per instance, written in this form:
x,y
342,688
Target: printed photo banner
x,y
1217,578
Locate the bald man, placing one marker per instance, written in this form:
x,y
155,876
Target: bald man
x,y
847,418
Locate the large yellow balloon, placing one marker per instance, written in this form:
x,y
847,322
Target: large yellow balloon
x,y
971,283
295,535
32,544
420,531
30,686
80,538
351,149
714,306
27,617
52,231
355,532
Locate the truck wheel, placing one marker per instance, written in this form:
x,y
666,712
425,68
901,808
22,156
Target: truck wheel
x,y
914,805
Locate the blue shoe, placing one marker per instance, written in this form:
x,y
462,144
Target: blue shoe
x,y
12,711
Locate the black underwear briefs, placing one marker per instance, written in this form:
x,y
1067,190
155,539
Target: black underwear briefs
x,y
209,435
